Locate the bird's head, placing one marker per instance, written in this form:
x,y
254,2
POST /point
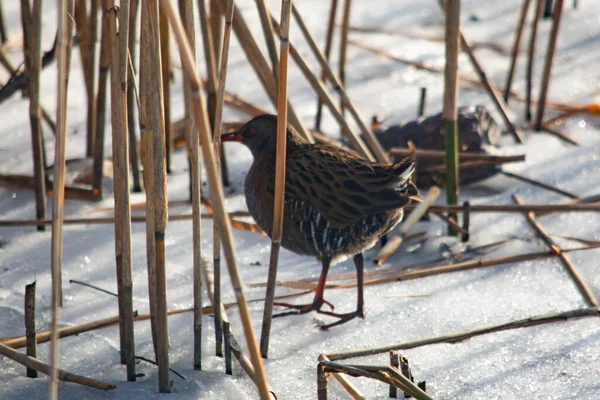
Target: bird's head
x,y
260,135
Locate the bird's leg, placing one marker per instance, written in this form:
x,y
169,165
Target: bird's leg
x,y
318,300
360,304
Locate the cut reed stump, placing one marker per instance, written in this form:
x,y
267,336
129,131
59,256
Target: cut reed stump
x,y
118,75
449,113
556,18
278,207
30,326
216,189
31,17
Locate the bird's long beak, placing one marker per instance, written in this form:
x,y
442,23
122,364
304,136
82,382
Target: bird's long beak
x,y
231,137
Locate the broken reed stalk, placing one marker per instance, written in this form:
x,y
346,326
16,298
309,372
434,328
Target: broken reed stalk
x,y
131,97
186,10
462,155
98,168
384,374
556,18
396,240
367,134
344,47
460,336
327,51
211,94
44,368
261,67
31,17
280,161
30,326
217,192
355,140
58,198
118,76
151,99
530,56
218,119
583,288
516,49
472,164
543,185
346,384
269,33
490,87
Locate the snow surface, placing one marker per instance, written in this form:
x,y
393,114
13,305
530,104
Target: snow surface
x,y
554,361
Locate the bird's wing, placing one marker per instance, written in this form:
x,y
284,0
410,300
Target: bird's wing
x,y
345,188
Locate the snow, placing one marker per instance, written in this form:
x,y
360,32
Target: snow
x,y
558,360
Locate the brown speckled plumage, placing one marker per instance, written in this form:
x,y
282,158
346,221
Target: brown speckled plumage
x,y
336,203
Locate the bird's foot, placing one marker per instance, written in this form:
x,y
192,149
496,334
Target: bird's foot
x,y
343,318
299,309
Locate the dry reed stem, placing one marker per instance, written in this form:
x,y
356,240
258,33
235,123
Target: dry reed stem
x,y
556,18
217,191
327,51
38,365
346,384
131,97
152,102
30,326
344,47
396,240
216,27
472,164
558,134
463,156
490,87
98,156
530,56
31,17
338,86
186,10
58,198
280,163
92,37
165,65
543,185
516,49
261,67
583,288
269,33
218,118
460,336
211,99
118,75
